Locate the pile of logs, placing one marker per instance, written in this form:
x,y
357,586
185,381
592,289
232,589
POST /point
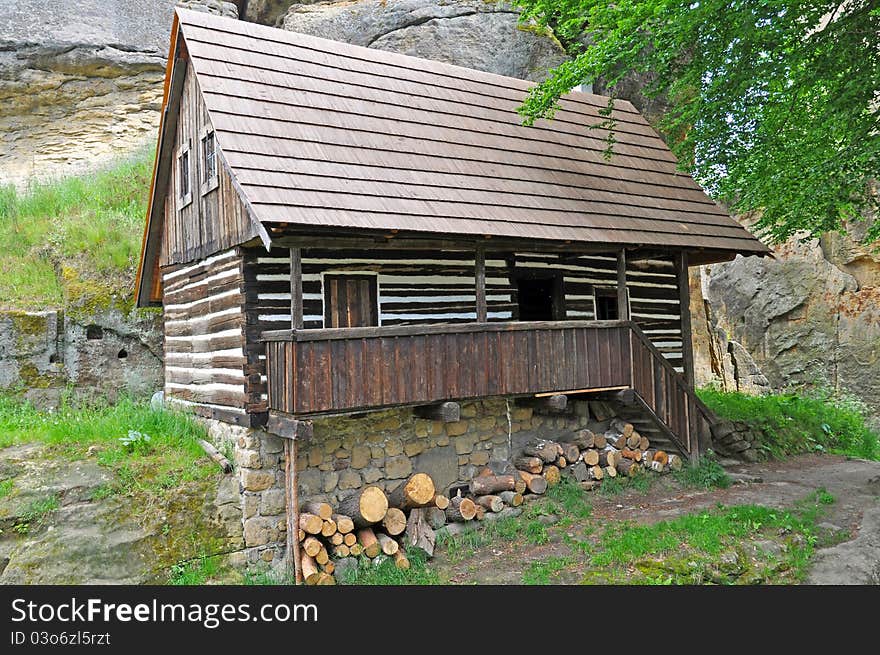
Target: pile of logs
x,y
368,522
591,457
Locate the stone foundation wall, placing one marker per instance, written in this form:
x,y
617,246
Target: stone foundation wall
x,y
377,448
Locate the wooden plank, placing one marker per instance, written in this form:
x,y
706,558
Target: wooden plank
x,y
296,291
622,303
288,427
687,348
480,283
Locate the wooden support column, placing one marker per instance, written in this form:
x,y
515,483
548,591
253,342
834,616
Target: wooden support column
x,y
294,561
296,289
480,283
684,301
622,301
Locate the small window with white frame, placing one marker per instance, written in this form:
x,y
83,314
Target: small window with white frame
x,y
209,160
184,183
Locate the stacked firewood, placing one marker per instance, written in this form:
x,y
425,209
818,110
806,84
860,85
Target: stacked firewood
x,y
590,457
368,522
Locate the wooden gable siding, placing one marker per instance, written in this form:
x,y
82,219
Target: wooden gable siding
x,y
205,362
214,221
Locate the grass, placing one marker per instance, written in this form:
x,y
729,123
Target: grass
x,y
542,572
6,487
796,423
194,572
74,240
707,474
384,572
713,546
170,457
34,514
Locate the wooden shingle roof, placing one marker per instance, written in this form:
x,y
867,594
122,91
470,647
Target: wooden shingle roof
x,y
325,134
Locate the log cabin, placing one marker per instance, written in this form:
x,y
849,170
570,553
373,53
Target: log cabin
x,y
335,230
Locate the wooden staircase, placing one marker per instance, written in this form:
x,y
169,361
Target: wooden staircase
x,y
659,402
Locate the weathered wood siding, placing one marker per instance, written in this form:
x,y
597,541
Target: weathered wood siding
x,y
422,288
205,362
213,221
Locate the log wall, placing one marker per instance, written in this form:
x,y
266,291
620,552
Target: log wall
x,y
205,362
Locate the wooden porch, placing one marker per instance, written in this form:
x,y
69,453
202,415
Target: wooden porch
x,y
350,369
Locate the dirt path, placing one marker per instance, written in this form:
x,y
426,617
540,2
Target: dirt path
x,y
855,514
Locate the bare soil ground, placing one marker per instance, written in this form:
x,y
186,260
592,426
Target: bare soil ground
x,y
847,550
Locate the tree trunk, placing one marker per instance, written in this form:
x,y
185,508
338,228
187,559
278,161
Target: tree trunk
x,y
479,512
580,472
490,502
628,467
582,439
367,540
519,485
634,455
610,471
644,443
615,439
570,452
301,533
551,474
600,441
590,485
662,457
344,524
529,464
341,551
441,501
609,457
435,517
561,462
634,440
311,523
365,506
623,427
217,456
312,546
319,509
356,550
323,556
512,498
597,472
328,568
461,509
401,561
419,533
417,491
387,544
328,528
394,521
309,569
546,451
487,485
349,539
534,483
674,462
590,457
337,539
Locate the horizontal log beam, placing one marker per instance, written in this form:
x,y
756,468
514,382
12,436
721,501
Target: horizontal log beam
x,y
448,412
555,403
288,427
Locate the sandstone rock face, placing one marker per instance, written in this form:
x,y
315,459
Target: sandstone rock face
x,y
469,33
809,317
80,82
105,351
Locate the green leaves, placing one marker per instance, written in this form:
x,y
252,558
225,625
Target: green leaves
x,y
773,106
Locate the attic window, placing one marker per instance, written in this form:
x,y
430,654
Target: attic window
x,y
209,161
184,187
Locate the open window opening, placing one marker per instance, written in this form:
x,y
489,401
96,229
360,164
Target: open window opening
x,y
351,300
540,298
605,299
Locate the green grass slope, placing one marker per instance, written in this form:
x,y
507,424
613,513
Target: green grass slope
x,y
74,242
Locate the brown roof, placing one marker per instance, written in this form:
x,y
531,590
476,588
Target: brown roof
x,y
321,133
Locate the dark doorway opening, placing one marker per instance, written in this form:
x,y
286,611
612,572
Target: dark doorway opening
x,y
536,298
606,304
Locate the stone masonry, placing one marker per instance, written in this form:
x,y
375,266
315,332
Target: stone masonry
x,y
379,448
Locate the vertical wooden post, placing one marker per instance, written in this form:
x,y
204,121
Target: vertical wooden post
x,y
296,289
480,283
294,561
622,304
684,301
